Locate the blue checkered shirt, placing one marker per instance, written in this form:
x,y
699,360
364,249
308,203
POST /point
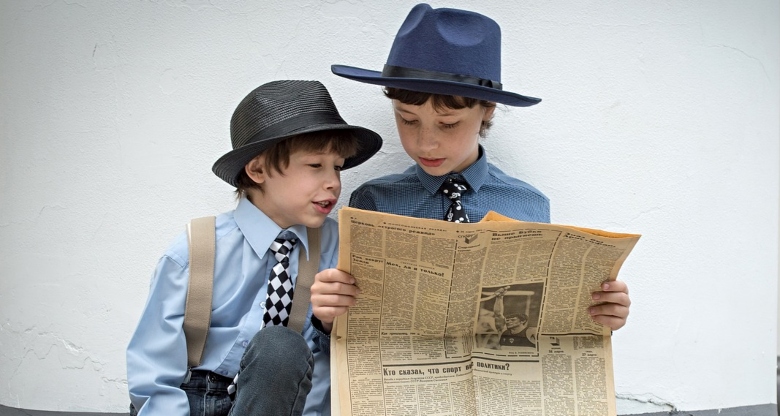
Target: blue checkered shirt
x,y
414,193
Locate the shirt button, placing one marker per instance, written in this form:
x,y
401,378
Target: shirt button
x,y
245,343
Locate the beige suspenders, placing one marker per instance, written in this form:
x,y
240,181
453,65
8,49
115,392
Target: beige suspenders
x,y
201,234
306,271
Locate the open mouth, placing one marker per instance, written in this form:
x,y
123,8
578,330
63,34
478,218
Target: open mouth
x,y
325,206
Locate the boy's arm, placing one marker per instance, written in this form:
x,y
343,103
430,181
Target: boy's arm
x,y
498,309
613,304
332,293
157,352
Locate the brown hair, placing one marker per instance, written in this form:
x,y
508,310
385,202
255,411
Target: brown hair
x,y
277,157
520,316
439,102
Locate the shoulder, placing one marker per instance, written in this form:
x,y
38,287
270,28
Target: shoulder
x,y
387,186
514,198
499,178
225,227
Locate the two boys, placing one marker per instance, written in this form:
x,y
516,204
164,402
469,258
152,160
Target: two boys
x,y
443,77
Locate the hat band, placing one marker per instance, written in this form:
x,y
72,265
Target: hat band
x,y
401,72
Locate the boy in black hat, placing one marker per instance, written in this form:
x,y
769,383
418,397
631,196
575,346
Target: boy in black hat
x,y
443,74
289,146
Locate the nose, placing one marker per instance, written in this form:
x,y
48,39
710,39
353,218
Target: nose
x,y
333,180
427,138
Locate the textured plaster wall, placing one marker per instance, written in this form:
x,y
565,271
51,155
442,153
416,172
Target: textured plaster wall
x,y
658,117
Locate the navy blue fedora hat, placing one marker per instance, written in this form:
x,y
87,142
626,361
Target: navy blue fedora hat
x,y
444,51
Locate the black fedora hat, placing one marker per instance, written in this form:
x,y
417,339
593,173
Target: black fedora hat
x,y
281,109
444,51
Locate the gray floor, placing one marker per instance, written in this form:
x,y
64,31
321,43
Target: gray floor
x,y
10,411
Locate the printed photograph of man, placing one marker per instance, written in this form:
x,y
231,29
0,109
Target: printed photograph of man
x,y
509,316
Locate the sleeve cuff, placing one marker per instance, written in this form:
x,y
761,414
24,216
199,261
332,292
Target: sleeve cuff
x,y
321,338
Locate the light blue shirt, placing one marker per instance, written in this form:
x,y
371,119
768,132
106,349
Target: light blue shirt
x,y
157,353
414,193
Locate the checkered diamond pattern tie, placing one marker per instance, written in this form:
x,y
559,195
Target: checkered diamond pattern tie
x,y
280,286
453,187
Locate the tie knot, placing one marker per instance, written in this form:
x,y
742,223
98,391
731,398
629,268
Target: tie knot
x,y
454,186
282,246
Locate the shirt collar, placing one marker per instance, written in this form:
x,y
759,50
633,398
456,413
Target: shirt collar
x,y
475,175
260,231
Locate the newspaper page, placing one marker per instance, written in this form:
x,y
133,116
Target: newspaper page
x,y
485,318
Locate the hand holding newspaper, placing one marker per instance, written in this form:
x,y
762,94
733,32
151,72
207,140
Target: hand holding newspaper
x,y
486,318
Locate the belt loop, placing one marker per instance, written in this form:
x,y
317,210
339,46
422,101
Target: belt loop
x,y
189,374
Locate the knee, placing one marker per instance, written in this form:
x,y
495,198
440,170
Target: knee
x,y
278,345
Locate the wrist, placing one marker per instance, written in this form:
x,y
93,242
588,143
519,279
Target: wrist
x,y
320,325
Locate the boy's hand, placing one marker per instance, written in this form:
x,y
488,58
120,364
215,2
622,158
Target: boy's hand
x,y
332,293
612,303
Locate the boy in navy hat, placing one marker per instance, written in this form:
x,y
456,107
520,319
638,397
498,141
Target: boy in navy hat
x,y
289,147
443,75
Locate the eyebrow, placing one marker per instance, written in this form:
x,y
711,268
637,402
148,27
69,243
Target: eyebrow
x,y
316,152
402,110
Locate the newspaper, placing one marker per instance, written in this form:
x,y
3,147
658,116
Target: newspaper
x,y
435,329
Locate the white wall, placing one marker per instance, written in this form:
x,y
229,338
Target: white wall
x,y
658,117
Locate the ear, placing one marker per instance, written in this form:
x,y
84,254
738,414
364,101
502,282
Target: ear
x,y
255,169
488,114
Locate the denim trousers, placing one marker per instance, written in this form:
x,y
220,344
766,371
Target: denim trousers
x,y
274,379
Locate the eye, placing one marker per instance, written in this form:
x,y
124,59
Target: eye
x,y
450,126
408,122
338,168
315,165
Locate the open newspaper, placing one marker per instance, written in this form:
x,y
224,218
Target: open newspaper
x,y
486,318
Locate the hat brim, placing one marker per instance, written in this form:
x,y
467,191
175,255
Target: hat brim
x,y
230,165
435,86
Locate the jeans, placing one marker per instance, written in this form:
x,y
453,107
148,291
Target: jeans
x,y
275,374
274,379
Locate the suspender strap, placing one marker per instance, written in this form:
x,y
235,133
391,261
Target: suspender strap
x,y
197,311
306,271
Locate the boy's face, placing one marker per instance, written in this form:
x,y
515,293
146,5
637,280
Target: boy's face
x,y
304,193
440,142
515,323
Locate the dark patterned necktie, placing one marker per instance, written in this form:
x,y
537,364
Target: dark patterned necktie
x,y
453,187
280,287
